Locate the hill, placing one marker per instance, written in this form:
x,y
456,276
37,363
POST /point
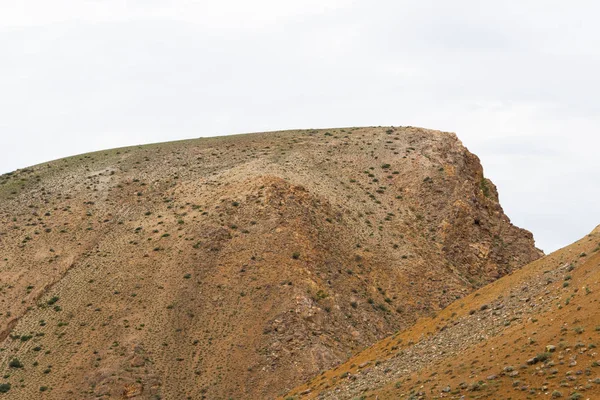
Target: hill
x,y
532,334
238,266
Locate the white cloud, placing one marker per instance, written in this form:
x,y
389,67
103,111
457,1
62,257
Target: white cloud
x,y
516,80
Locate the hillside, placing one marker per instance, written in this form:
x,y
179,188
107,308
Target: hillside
x,y
239,266
532,334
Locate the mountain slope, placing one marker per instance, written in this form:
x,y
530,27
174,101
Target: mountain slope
x,y
237,266
532,334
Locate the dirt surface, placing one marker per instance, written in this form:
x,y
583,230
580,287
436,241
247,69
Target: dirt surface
x,y
532,334
239,266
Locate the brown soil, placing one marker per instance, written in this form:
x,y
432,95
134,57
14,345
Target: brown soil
x,y
532,334
240,266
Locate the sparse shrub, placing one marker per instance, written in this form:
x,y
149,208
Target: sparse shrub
x,y
321,294
485,187
296,255
542,357
382,307
4,387
15,363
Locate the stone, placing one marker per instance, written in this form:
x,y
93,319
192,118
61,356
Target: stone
x,y
532,361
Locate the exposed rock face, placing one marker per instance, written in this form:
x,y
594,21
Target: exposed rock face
x,y
497,342
239,266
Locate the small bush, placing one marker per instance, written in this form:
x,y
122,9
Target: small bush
x,y
542,357
321,294
15,363
382,307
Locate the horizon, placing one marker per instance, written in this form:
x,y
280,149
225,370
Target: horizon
x,y
516,82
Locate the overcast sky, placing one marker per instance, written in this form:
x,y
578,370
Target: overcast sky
x,y
517,81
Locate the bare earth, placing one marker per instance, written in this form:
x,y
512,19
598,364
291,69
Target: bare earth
x,y
532,334
242,266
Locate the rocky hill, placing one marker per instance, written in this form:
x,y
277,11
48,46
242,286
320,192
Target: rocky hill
x,y
240,266
532,334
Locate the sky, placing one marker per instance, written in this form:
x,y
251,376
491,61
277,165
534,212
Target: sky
x,y
516,81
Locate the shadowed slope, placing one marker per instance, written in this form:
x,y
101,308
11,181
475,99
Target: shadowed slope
x,y
532,334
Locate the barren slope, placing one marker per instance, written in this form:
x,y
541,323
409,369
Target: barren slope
x,y
237,266
532,334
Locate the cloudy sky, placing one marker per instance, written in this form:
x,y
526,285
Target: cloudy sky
x,y
517,81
